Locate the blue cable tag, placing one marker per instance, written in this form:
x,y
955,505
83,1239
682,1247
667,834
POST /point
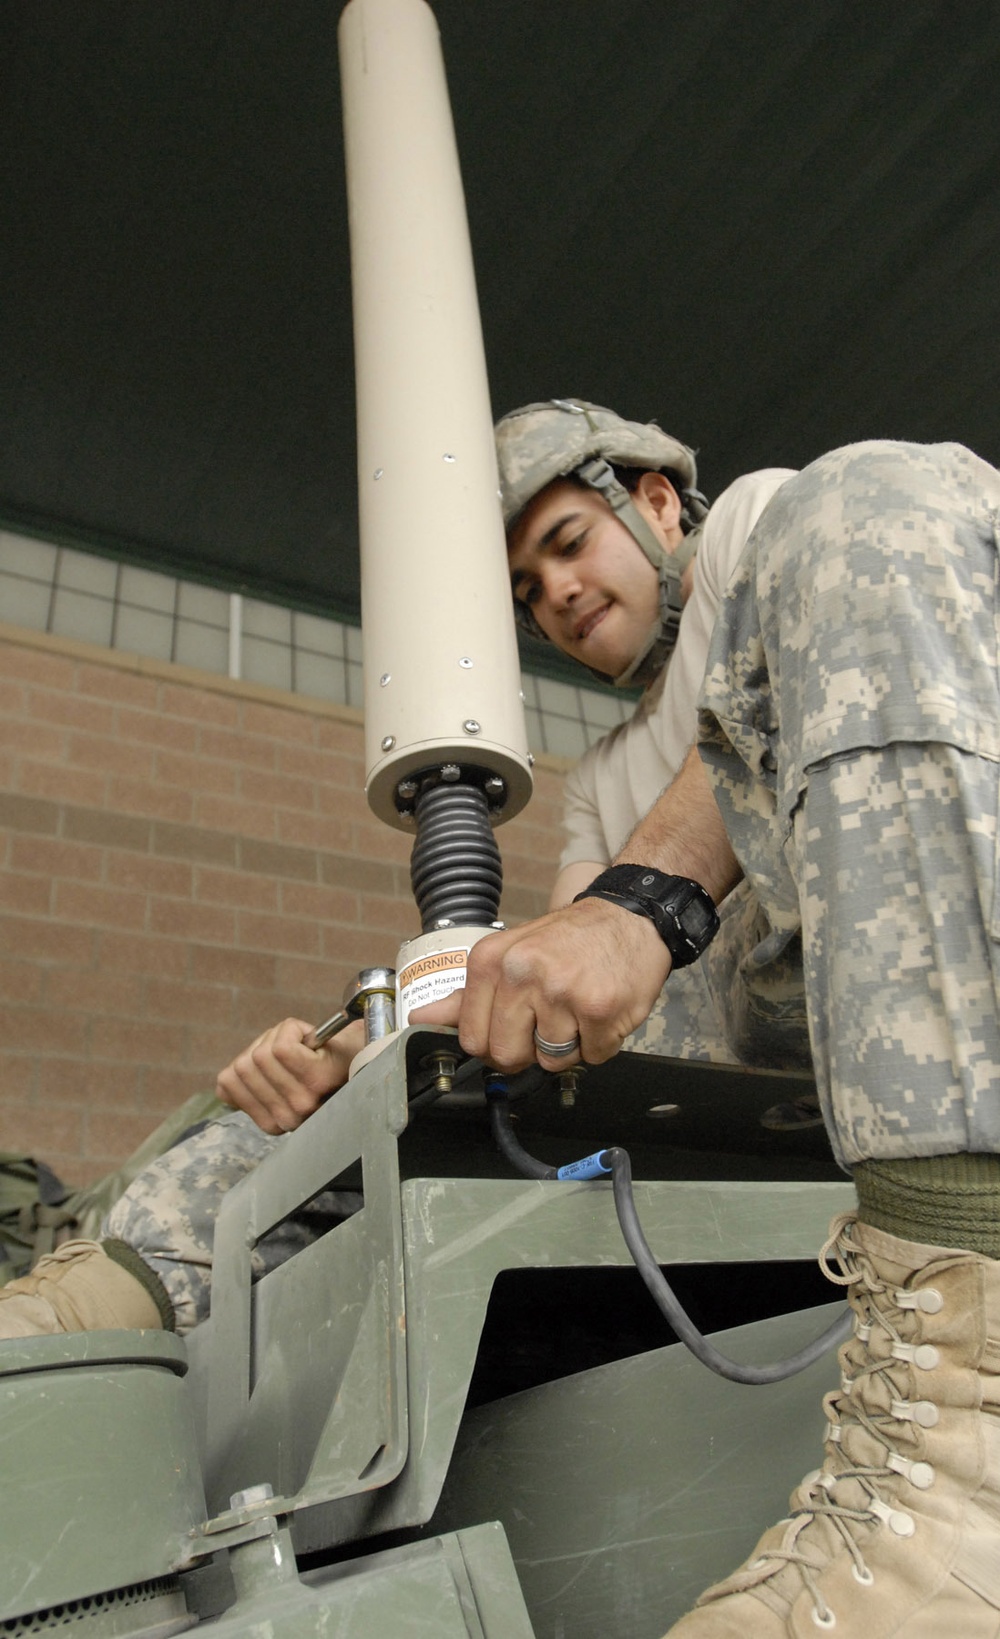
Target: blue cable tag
x,y
592,1166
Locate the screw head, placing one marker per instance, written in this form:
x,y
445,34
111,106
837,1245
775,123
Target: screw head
x,y
494,786
448,458
471,726
377,473
388,742
465,663
450,772
406,790
252,1494
384,679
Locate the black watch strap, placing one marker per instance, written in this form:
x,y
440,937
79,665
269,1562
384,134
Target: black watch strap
x,y
683,914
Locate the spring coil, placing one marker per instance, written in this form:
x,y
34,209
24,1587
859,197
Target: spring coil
x,y
455,868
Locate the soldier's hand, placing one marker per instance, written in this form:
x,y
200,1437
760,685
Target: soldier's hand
x,y
591,970
279,1080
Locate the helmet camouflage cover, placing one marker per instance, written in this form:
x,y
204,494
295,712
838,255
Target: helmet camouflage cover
x,y
562,437
542,442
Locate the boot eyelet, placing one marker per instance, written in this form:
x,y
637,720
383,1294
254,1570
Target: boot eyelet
x,y
864,1577
900,1524
926,1298
824,1619
919,1474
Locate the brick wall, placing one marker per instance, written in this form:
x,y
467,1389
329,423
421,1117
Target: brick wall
x,y
185,860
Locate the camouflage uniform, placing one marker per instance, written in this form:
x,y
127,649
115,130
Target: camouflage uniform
x,y
850,725
168,1214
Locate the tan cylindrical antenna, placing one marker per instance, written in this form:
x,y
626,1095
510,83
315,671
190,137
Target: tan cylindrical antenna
x,y
442,680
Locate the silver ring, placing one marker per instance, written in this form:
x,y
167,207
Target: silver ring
x,y
557,1049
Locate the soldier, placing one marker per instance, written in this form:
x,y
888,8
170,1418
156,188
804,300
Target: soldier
x,y
847,766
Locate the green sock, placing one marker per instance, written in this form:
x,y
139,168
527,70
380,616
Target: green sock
x,y
942,1200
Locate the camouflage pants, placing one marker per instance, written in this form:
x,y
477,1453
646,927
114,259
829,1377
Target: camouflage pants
x,y
168,1213
850,725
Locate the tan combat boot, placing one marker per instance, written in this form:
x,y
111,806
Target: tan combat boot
x,y
899,1532
76,1289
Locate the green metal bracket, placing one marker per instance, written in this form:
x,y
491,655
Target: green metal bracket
x,y
310,1396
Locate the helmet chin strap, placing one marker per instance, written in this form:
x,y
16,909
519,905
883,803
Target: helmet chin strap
x,y
670,566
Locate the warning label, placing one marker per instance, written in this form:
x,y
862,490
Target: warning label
x,y
428,979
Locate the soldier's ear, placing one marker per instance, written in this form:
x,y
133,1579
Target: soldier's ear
x,y
655,495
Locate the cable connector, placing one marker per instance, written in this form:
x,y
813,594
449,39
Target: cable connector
x,y
592,1166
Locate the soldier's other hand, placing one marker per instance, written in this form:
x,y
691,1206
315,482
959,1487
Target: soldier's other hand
x,y
279,1080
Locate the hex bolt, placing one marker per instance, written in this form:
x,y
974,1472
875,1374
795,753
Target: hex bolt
x,y
267,1561
450,772
568,1085
252,1494
444,1065
406,790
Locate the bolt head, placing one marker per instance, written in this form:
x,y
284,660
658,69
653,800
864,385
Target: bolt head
x,y
450,772
471,726
384,679
388,742
252,1494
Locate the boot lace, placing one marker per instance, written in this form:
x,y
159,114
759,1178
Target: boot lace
x,y
873,1300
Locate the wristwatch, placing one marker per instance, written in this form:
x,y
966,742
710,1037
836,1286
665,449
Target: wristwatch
x,y
681,911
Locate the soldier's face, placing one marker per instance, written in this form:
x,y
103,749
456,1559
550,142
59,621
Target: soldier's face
x,y
588,584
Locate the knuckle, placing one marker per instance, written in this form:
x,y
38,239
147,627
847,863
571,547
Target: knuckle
x,y
227,1085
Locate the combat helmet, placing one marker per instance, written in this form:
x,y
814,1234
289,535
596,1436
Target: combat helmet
x,y
562,438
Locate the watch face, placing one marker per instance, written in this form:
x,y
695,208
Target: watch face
x,y
698,921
